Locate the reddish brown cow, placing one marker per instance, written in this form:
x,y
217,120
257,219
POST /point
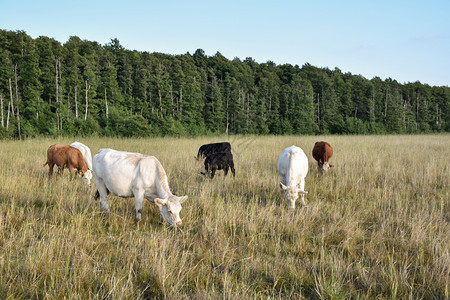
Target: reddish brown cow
x,y
65,156
322,152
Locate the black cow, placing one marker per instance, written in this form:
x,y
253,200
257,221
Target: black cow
x,y
219,161
209,149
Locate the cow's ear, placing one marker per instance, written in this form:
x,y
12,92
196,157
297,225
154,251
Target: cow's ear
x,y
331,165
282,186
182,199
160,202
302,192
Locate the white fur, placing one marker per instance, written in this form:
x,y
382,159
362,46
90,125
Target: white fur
x,y
86,153
87,176
127,174
293,167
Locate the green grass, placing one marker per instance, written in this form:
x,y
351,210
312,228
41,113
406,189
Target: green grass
x,y
376,225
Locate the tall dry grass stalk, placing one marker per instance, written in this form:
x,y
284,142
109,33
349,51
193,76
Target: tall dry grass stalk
x,y
376,225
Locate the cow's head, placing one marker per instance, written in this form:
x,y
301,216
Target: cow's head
x,y
291,193
326,166
86,176
170,208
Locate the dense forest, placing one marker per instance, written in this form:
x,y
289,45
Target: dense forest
x,y
84,88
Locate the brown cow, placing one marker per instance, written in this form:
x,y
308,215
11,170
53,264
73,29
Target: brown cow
x,y
322,152
65,156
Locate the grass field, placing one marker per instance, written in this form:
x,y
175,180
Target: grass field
x,y
376,225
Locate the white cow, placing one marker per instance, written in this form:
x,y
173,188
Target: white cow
x,y
126,174
293,167
86,153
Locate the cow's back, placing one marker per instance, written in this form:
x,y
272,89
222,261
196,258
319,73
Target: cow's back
x,y
293,160
208,149
322,151
58,154
85,151
53,153
67,155
328,150
122,172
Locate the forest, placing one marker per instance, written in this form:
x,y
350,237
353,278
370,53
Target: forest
x,y
84,88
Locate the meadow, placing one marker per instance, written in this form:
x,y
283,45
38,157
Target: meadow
x,y
376,225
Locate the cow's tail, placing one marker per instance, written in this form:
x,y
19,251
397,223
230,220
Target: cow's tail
x,y
199,154
38,167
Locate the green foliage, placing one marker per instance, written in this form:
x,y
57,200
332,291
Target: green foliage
x,y
160,94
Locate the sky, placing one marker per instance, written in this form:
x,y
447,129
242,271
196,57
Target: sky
x,y
407,41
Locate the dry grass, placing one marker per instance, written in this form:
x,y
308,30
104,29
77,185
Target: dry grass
x,y
376,226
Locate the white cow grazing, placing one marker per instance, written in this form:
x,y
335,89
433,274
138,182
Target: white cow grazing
x,y
126,174
86,153
293,167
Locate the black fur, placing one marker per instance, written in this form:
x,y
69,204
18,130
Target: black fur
x,y
208,149
219,161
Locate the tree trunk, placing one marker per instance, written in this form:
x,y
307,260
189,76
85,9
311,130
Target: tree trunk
x,y
56,92
106,105
417,110
226,129
17,103
318,110
87,103
372,107
1,108
248,109
11,95
56,79
151,104
437,116
61,95
7,118
181,100
68,105
76,103
270,103
171,98
160,102
385,106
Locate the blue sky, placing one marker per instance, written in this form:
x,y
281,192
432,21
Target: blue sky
x,y
405,40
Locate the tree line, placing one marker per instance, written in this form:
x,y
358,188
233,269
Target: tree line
x,y
84,88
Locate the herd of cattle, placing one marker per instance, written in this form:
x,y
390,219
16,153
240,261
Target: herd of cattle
x,y
127,174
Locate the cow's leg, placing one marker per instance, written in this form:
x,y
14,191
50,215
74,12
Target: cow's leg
x,y
50,169
103,192
302,187
225,171
213,171
232,170
138,202
319,165
72,171
60,170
